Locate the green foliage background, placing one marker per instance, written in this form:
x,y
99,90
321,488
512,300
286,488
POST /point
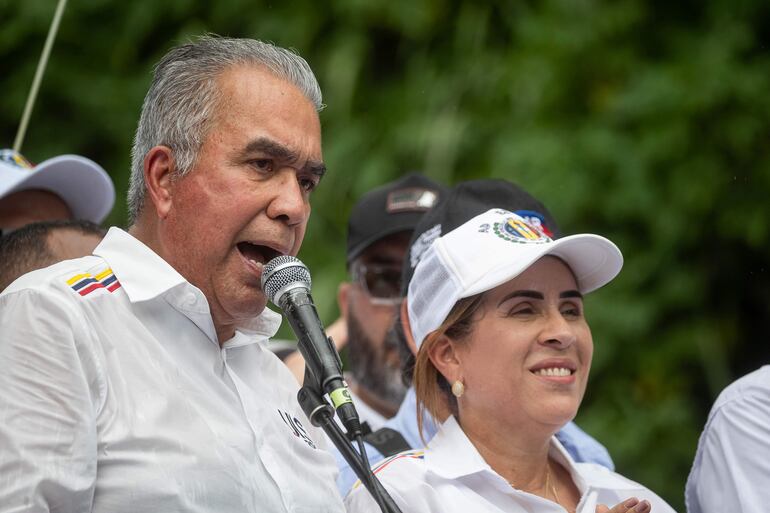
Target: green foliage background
x,y
643,121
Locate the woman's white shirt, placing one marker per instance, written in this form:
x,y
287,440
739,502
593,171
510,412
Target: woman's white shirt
x,y
449,475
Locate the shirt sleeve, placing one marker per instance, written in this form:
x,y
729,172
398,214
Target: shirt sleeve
x,y
733,459
50,389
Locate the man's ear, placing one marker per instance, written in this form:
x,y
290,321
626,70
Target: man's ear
x,y
159,167
342,298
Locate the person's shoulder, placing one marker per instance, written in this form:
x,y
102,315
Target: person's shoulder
x,y
407,464
752,384
742,407
52,307
733,442
401,475
62,278
406,467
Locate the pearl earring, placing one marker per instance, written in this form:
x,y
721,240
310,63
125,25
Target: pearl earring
x,y
458,388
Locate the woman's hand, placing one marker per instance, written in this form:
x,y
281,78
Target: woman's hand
x,y
632,505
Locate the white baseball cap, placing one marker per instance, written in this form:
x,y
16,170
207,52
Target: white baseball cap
x,y
82,183
489,250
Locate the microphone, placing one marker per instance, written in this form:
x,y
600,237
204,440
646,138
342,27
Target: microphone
x,y
286,283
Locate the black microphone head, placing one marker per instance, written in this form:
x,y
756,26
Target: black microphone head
x,y
282,274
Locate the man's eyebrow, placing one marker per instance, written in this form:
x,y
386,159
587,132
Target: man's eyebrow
x,y
571,293
270,147
282,152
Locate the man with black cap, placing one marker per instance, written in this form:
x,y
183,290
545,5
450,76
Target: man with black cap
x,y
461,203
379,229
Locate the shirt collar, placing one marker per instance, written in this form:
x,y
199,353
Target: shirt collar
x,y
141,272
265,325
451,455
144,275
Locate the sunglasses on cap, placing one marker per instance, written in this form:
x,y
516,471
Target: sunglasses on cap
x,y
382,282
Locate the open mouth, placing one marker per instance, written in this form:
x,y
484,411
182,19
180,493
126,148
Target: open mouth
x,y
256,253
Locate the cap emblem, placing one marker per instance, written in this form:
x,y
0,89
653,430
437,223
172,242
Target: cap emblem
x,y
515,229
410,200
15,159
535,220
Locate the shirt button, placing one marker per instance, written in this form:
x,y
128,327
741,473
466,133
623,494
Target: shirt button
x,y
190,299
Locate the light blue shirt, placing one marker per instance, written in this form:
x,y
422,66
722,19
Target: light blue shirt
x,y
580,445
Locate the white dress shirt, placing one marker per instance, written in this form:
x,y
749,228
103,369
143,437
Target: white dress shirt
x,y
579,444
451,476
731,471
116,396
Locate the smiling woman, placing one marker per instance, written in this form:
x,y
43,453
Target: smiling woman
x,y
495,308
532,351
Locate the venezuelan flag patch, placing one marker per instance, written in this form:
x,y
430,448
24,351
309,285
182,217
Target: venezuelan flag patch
x,y
86,283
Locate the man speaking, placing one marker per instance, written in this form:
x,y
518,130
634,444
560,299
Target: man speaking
x,y
136,379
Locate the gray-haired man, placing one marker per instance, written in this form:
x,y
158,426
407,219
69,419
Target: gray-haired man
x,y
134,380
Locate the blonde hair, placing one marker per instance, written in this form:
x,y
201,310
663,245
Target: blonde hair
x,y
432,389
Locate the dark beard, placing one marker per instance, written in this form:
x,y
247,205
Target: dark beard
x,y
369,365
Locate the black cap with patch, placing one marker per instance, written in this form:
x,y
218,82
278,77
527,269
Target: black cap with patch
x,y
463,202
392,208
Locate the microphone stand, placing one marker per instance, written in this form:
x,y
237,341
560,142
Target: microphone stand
x,y
321,413
286,282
